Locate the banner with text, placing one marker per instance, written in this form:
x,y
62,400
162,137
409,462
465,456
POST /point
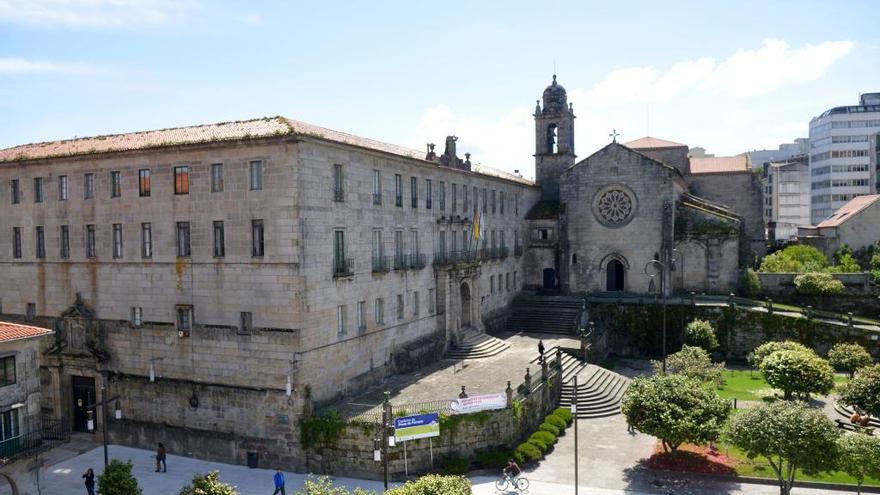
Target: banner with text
x,y
417,426
479,403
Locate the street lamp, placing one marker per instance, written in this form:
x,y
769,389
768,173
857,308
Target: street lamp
x,y
91,421
663,270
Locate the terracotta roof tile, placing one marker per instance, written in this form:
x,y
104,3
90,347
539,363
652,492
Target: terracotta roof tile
x,y
649,142
716,164
849,210
14,331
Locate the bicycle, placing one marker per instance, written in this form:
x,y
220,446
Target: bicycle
x,y
519,483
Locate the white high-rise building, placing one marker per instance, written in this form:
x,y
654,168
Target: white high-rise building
x,y
839,155
786,197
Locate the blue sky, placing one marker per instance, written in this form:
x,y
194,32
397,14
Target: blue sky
x,y
728,76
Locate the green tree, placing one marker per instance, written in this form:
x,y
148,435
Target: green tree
x,y
798,373
818,284
699,333
323,485
847,263
842,252
692,362
790,435
751,284
863,391
767,348
118,480
858,455
849,357
794,259
208,484
675,409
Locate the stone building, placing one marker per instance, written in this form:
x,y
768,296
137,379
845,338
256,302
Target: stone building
x,y
855,224
201,273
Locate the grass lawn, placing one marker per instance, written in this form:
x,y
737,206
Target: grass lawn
x,y
750,385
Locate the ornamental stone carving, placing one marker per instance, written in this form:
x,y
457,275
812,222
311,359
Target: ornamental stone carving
x,y
614,206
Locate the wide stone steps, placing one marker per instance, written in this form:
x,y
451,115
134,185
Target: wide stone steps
x,y
571,365
847,412
598,393
545,314
477,347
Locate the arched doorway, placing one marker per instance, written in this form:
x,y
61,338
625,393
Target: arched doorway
x,y
549,278
465,293
614,276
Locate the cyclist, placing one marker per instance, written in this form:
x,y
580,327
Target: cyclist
x,y
512,470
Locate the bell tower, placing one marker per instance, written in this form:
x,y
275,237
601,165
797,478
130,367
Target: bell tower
x,y
554,139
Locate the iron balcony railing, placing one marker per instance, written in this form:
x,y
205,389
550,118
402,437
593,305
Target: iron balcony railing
x,y
517,250
338,194
381,264
451,257
377,198
343,267
416,261
400,262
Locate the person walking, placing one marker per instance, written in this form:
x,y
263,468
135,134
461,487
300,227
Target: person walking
x,y
90,481
160,458
541,349
279,483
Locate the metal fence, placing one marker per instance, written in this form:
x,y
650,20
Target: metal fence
x,y
50,433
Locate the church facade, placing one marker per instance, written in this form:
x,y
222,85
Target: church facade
x,y
225,279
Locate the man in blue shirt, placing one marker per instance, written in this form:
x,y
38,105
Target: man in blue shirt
x,y
279,483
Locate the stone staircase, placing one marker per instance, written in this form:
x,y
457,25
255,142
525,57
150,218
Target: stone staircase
x,y
571,365
545,314
599,392
475,345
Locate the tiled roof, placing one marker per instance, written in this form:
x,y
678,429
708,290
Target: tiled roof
x,y
14,331
648,142
849,210
224,131
716,164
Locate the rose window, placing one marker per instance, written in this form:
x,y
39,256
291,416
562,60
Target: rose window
x,y
615,207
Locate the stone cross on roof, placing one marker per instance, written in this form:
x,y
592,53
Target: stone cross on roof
x,y
614,134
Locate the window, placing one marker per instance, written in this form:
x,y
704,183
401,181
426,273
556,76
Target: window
x,y
183,250
432,304
361,315
501,199
144,182
115,184
400,306
414,191
340,264
377,249
117,240
379,311
90,241
88,186
9,425
454,241
377,187
41,242
514,280
414,244
442,196
415,302
256,238
428,194
476,198
491,284
507,281
137,316
181,180
340,320
62,188
441,244
7,371
338,191
516,204
16,191
493,201
398,190
16,242
256,175
485,202
246,322
219,239
398,249
217,177
464,207
454,197
64,243
146,240
31,312
184,319
38,189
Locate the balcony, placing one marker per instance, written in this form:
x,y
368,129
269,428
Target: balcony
x,y
400,262
416,261
343,267
381,264
377,198
452,257
338,194
517,250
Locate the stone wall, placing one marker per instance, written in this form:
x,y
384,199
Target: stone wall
x,y
783,283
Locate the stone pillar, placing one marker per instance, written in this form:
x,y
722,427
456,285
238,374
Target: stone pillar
x,y
527,381
509,393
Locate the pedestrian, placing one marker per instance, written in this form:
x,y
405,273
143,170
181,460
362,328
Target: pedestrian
x,y
279,483
630,428
90,481
160,458
541,349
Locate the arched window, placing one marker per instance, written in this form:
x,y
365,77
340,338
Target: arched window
x,y
574,259
552,146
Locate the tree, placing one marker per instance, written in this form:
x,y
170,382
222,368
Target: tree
x,y
846,263
699,333
118,480
790,435
858,455
863,391
818,284
675,409
767,348
208,484
798,373
849,357
751,283
692,362
794,259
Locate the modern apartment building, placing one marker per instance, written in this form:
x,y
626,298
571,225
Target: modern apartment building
x,y
786,188
782,153
840,155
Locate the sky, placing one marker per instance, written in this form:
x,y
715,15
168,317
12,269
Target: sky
x,y
728,76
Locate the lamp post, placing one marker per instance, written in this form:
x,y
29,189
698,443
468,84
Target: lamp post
x,y
91,423
663,271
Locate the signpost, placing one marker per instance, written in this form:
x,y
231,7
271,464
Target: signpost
x,y
414,427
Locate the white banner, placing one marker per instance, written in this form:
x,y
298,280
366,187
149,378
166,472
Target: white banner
x,y
479,403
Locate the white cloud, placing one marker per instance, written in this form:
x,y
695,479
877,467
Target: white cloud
x,y
113,14
23,66
253,19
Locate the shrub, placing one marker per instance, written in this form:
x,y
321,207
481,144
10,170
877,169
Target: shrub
x,y
544,436
692,362
539,444
762,351
818,284
545,426
564,413
751,284
556,421
846,264
849,357
863,391
323,485
433,484
699,333
208,484
454,465
798,373
494,459
794,259
526,453
118,480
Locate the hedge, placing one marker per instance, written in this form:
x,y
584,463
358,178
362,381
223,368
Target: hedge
x,y
544,436
526,452
564,413
549,428
556,421
494,459
432,484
